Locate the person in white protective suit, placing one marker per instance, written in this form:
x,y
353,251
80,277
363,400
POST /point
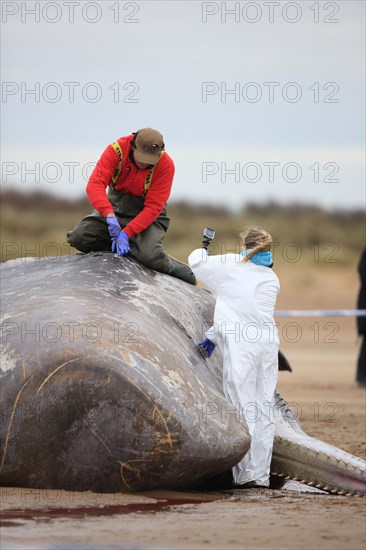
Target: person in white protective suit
x,y
244,329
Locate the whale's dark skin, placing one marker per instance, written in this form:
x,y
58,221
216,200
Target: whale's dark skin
x,y
109,392
103,388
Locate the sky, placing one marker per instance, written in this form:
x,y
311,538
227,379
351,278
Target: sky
x,y
257,101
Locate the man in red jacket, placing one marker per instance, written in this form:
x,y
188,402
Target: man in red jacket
x,y
132,217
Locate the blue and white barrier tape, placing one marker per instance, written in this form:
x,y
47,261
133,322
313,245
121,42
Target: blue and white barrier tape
x,y
321,313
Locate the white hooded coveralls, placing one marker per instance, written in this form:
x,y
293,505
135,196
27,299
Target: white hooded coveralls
x,y
245,331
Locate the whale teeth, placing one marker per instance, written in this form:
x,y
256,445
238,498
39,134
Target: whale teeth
x,y
318,485
333,491
287,477
303,481
325,488
311,483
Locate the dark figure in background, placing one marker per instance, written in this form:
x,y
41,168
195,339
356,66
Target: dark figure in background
x,y
361,322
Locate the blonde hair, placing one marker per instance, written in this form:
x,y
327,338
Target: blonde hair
x,y
256,238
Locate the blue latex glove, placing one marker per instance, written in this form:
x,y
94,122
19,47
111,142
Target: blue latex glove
x,y
121,245
113,227
207,347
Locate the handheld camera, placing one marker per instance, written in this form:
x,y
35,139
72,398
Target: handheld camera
x,y
208,236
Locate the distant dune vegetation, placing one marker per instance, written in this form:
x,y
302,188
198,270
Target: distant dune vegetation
x,y
35,224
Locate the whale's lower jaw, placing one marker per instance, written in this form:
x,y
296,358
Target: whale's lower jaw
x,y
315,463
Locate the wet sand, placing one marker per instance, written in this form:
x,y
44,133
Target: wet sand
x,y
330,406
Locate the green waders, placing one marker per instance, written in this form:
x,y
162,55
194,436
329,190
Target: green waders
x,y
91,235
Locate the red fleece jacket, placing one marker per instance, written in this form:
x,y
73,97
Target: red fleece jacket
x,y
131,181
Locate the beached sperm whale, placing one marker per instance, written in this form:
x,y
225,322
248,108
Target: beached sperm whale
x,y
102,387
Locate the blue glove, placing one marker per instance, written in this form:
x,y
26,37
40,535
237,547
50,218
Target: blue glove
x,y
121,244
207,347
113,227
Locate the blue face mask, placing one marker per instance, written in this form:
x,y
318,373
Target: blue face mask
x,y
259,258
